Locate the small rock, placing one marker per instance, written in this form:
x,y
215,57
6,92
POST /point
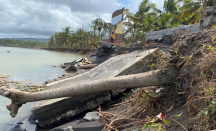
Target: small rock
x,y
17,128
71,68
208,17
20,123
91,116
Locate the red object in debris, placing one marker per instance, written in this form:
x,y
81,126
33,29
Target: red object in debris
x,y
162,116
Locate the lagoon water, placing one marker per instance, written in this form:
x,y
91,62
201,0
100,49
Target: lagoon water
x,y
35,66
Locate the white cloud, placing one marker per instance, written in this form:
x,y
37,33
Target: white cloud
x,y
41,18
134,5
159,3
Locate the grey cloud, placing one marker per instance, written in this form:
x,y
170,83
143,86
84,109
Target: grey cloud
x,y
102,6
42,18
2,8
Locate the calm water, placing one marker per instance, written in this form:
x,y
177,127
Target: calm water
x,y
36,66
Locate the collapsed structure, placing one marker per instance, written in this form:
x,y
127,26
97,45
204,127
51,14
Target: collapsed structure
x,y
115,26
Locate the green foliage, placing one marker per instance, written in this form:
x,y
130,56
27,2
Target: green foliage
x,y
170,6
147,18
211,108
152,125
144,20
80,39
155,126
128,96
213,27
190,12
23,44
97,24
214,38
176,12
212,49
165,121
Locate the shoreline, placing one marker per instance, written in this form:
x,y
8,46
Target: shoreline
x,y
93,55
74,51
66,50
12,124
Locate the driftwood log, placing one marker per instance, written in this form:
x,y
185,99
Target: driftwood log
x,y
151,78
89,66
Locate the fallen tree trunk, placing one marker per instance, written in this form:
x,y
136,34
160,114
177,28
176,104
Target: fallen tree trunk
x,y
152,78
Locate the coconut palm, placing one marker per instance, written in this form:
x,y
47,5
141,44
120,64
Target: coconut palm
x,y
190,12
97,24
131,28
66,30
170,6
144,8
51,43
138,25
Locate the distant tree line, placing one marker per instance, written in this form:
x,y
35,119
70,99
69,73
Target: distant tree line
x,y
23,44
79,39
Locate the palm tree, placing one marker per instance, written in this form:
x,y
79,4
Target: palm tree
x,y
170,6
150,22
66,30
190,12
51,42
100,25
131,28
139,19
144,9
97,24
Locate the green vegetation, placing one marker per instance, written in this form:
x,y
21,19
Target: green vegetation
x,y
23,44
149,18
81,39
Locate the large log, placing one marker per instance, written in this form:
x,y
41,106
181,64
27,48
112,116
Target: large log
x,y
152,78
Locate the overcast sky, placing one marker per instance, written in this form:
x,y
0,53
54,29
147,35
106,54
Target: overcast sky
x,y
42,18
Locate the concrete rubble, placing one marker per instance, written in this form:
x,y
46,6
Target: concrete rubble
x,y
91,116
82,63
168,36
58,111
208,17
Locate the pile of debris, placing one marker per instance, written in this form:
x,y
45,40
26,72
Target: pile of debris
x,y
82,63
190,104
